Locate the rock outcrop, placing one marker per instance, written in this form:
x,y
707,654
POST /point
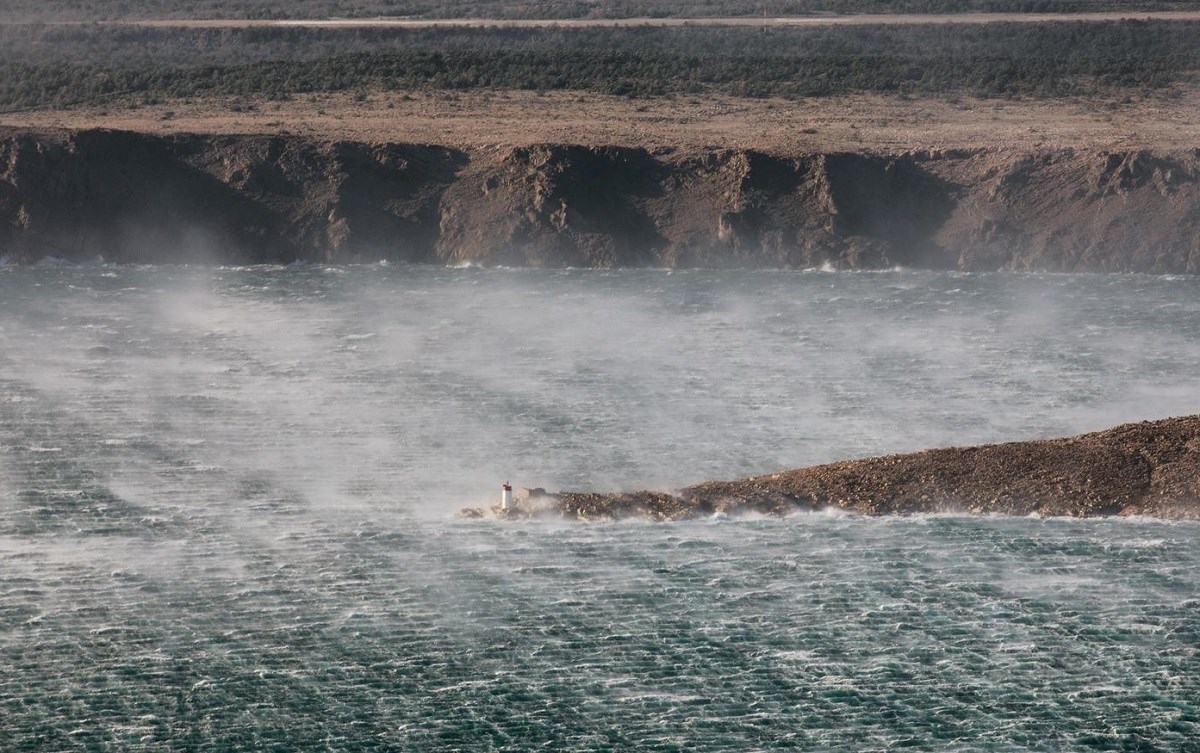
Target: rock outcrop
x,y
1150,468
130,197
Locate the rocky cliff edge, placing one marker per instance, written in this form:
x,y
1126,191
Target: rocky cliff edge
x,y
129,197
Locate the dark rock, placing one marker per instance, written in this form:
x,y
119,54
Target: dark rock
x,y
131,197
1150,468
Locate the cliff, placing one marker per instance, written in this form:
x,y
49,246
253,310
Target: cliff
x,y
129,197
1150,468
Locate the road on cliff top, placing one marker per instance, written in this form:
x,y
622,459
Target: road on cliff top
x,y
848,20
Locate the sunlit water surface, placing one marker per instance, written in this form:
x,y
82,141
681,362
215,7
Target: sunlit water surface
x,y
226,497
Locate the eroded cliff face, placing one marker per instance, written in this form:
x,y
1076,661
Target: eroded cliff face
x,y
136,198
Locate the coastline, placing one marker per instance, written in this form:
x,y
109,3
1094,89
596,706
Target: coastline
x,y
124,196
1149,469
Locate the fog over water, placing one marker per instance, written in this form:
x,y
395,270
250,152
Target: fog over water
x,y
226,500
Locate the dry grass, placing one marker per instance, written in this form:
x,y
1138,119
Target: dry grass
x,y
890,19
480,119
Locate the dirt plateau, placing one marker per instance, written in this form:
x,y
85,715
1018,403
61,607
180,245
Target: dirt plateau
x,y
1146,469
132,197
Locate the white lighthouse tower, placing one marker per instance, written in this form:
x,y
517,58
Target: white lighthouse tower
x,y
506,496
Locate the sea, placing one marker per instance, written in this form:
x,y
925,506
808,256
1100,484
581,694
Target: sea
x,y
227,503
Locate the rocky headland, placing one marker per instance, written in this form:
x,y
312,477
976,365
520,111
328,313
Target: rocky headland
x,y
1148,469
142,198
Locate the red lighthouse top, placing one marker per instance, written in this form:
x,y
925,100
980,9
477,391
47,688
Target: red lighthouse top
x,y
507,488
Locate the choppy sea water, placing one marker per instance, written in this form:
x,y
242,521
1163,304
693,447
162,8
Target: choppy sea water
x,y
226,497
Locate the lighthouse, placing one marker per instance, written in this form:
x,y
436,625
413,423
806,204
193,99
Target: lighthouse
x,y
506,496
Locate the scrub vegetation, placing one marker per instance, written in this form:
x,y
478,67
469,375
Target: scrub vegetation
x,y
279,9
58,67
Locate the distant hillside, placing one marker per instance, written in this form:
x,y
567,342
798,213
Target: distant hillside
x,y
135,9
59,67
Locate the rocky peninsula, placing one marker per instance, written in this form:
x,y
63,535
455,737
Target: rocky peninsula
x,y
1146,469
83,195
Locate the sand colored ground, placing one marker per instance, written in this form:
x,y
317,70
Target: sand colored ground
x,y
856,123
